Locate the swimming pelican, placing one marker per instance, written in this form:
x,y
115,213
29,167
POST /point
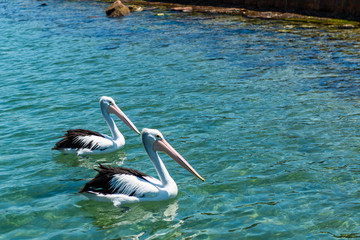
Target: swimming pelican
x,y
124,185
83,142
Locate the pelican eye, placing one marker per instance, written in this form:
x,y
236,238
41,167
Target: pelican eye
x,y
157,136
111,103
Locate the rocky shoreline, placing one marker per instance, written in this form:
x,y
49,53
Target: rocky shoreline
x,y
342,9
218,7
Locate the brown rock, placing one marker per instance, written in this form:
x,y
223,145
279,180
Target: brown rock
x,y
117,9
135,8
182,9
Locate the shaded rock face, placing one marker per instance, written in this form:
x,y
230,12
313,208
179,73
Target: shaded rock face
x,y
117,9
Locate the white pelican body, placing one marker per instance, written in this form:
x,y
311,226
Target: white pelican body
x,y
82,141
124,185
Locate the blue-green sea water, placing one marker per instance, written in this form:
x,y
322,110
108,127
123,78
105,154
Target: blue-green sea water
x,y
268,112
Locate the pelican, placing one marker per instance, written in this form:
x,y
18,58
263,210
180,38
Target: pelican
x,y
83,142
125,185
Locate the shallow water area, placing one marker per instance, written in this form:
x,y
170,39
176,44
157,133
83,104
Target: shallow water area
x,y
266,111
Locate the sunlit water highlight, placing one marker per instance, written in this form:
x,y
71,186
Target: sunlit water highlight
x,y
266,111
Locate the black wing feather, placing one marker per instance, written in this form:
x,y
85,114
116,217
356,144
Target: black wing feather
x,y
101,182
70,140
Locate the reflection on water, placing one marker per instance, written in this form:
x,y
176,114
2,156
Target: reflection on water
x,y
115,159
106,216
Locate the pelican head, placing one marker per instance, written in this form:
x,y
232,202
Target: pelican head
x,y
154,138
108,105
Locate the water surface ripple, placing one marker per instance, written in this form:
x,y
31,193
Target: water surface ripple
x,y
266,111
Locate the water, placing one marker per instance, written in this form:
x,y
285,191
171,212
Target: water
x,y
268,112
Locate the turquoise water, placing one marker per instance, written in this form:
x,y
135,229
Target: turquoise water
x,y
268,112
